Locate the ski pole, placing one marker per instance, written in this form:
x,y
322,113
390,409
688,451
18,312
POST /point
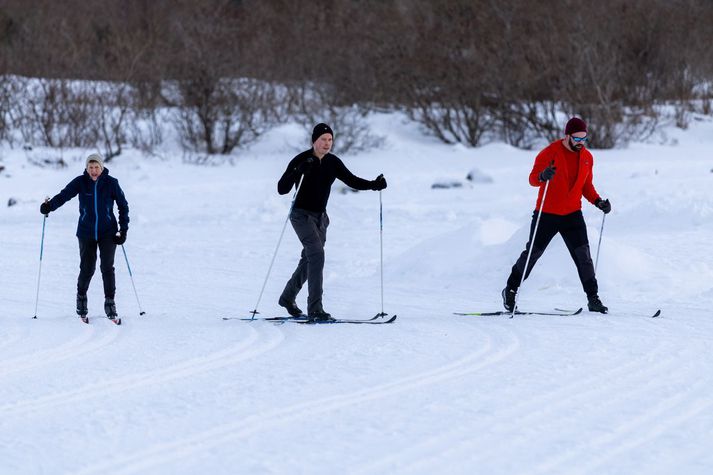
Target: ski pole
x,y
599,244
532,244
381,253
274,255
141,312
42,249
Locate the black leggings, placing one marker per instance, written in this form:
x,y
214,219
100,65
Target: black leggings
x,y
574,233
88,264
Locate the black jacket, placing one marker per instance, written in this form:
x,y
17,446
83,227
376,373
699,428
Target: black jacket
x,y
314,191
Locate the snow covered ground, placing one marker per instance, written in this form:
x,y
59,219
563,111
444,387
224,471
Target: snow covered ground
x,y
180,391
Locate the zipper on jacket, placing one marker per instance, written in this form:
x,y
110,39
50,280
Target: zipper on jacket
x,y
96,213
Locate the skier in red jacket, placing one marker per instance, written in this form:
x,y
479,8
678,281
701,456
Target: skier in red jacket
x,y
567,165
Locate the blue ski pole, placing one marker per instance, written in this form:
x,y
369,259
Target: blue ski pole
x,y
39,274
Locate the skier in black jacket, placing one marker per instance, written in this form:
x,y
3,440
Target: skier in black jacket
x,y
97,227
318,169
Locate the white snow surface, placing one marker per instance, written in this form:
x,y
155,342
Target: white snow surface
x,y
181,391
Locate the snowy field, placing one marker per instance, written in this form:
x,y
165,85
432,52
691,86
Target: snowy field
x,y
181,391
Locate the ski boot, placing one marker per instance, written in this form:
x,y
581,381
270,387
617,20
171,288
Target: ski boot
x,y
596,305
509,298
110,310
82,308
291,307
319,316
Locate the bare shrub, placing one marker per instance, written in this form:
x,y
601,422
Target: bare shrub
x,y
313,104
53,113
6,95
214,116
111,110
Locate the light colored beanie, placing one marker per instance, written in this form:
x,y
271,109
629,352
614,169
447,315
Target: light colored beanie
x,y
95,157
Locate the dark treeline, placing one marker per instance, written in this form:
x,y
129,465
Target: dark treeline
x,y
225,71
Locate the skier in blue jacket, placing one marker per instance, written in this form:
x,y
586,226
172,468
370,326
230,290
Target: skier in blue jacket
x,y
97,227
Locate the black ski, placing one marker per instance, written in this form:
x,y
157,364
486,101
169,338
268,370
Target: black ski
x,y
301,318
265,319
559,313
371,321
84,318
115,321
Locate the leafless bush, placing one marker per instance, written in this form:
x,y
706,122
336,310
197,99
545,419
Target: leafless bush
x,y
214,116
6,96
313,104
111,110
146,129
53,113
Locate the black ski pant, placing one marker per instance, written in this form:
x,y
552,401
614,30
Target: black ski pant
x,y
574,233
311,229
88,263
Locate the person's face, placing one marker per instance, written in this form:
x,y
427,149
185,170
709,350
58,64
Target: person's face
x,y
577,140
323,145
94,170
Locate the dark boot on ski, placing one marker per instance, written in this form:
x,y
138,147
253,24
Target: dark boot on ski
x,y
291,307
596,305
319,316
82,308
509,298
110,308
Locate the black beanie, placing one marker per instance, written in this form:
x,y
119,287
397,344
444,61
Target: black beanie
x,y
320,129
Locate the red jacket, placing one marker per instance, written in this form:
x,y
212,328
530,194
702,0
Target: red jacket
x,y
561,199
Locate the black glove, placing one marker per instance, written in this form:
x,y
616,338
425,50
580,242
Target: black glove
x,y
120,237
547,173
45,208
603,205
305,166
378,184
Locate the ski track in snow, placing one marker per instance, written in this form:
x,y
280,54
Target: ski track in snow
x,y
489,354
627,381
250,347
80,345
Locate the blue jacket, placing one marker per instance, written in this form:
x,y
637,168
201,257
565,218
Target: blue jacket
x,y
96,205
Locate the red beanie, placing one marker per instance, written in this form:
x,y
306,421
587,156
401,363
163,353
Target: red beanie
x,y
574,125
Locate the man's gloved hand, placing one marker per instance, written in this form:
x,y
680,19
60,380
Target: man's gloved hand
x,y
548,173
120,237
378,184
603,205
45,208
305,166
